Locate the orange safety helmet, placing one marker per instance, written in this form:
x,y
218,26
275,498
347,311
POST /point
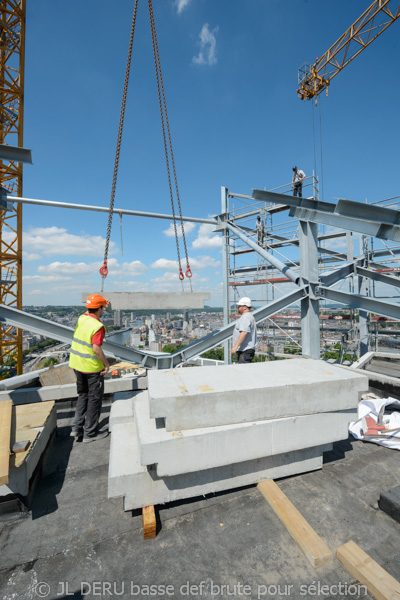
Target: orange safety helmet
x,y
95,301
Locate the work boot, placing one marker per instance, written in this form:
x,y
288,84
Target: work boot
x,y
77,434
100,435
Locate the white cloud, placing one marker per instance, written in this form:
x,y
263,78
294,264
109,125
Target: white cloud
x,y
170,232
207,238
132,269
195,263
208,45
181,4
44,278
30,256
164,263
201,262
69,269
57,240
166,277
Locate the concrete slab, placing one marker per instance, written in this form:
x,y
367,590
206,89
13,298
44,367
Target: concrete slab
x,y
204,448
122,409
153,300
63,392
206,397
141,486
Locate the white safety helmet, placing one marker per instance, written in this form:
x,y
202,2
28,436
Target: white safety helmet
x,y
244,302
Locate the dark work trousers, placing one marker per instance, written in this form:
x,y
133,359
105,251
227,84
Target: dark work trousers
x,y
298,189
246,356
90,388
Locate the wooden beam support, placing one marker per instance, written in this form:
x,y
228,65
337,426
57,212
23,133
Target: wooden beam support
x,y
315,549
5,437
149,522
378,581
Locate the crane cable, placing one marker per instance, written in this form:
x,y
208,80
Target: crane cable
x,y
165,121
104,269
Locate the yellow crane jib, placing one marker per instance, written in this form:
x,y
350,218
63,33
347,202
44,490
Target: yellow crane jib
x,y
313,79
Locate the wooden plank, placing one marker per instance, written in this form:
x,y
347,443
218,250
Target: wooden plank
x,y
5,439
378,581
314,548
29,416
149,522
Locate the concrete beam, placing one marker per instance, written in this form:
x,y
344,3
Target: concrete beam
x,y
199,449
211,396
141,486
153,300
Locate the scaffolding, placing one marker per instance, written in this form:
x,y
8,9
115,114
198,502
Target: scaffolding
x,y
248,273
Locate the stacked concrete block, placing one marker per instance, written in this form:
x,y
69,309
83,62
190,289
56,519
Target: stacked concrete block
x,y
197,431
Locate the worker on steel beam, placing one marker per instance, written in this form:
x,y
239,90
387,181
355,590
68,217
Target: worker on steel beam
x,y
90,365
245,333
260,231
297,182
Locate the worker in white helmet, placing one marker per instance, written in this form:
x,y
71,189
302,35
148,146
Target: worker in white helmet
x,y
245,333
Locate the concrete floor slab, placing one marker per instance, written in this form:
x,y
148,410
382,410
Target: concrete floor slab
x,y
195,398
198,449
74,534
153,300
141,486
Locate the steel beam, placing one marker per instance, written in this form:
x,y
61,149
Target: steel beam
x,y
378,276
23,320
294,201
378,230
278,264
118,211
367,212
15,154
338,274
370,305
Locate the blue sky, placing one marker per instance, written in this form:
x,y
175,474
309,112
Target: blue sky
x,y
230,74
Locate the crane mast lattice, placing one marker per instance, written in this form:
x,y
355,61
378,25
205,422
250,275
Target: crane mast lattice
x,y
12,64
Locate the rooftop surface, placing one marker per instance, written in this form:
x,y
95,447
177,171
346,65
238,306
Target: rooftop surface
x,y
75,543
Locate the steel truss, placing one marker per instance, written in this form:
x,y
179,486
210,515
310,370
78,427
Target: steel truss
x,y
310,285
12,61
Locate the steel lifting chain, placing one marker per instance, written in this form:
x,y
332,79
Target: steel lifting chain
x,y
104,268
163,110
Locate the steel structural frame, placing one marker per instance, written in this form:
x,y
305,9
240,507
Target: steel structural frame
x,y
310,287
12,67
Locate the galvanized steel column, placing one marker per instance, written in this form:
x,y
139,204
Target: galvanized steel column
x,y
310,334
225,278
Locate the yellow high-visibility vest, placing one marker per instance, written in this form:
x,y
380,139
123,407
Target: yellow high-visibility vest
x,y
82,357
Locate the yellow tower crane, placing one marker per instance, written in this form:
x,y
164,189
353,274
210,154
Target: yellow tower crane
x,y
313,79
12,63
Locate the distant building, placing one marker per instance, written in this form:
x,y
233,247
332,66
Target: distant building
x,y
117,318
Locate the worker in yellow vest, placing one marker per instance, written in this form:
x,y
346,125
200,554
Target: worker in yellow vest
x,y
90,365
